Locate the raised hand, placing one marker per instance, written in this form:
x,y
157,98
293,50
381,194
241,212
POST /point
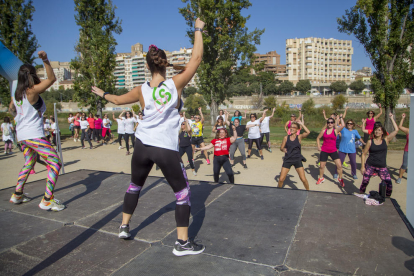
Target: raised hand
x,y
199,109
265,110
391,115
199,23
323,111
42,54
97,91
403,115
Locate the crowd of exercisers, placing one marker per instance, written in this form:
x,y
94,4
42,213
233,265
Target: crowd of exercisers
x,y
161,134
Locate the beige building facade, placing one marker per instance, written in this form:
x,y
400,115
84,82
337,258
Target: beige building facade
x,y
271,62
319,60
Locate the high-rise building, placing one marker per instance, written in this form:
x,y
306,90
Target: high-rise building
x,y
131,70
62,72
271,62
319,60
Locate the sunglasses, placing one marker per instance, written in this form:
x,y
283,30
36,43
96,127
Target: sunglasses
x,y
371,113
349,123
330,122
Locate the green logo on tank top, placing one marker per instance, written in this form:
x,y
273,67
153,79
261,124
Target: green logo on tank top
x,y
160,96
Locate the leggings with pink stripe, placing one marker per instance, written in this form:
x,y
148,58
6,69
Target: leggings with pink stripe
x,y
382,173
31,149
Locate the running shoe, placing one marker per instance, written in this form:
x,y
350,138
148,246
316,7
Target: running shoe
x,y
83,148
52,204
32,171
262,157
245,166
194,172
398,181
124,232
270,150
345,164
91,148
5,152
119,147
320,180
341,181
17,199
248,156
355,177
208,162
190,248
74,140
335,176
127,153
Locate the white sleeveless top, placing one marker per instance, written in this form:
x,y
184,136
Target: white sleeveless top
x,y
160,124
29,121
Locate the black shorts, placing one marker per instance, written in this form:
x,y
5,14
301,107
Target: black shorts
x,y
76,127
197,140
288,164
324,156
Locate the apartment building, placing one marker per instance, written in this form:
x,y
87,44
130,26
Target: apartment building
x,y
365,71
131,70
62,72
319,60
271,62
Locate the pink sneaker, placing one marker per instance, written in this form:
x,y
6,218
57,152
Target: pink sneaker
x,y
320,180
208,162
32,172
341,181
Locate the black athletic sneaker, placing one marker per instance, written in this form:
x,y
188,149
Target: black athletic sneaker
x,y
248,156
124,232
190,248
245,166
262,157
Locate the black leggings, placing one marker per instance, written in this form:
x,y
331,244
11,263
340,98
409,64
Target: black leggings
x,y
262,135
127,135
170,163
85,136
257,141
189,151
120,137
97,134
222,161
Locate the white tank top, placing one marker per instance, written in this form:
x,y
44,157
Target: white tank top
x,y
29,121
160,124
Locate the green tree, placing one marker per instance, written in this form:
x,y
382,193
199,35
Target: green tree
x,y
136,108
193,102
95,62
357,86
282,110
189,91
338,102
228,43
16,34
270,102
303,86
308,107
386,30
338,86
270,89
286,87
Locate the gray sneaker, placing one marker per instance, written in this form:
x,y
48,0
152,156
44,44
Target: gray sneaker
x,y
190,248
124,232
52,204
398,181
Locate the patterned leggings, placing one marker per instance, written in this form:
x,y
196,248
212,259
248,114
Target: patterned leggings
x,y
32,148
382,173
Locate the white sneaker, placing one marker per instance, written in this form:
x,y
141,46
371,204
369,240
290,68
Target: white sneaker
x,y
19,199
53,204
74,140
119,147
195,174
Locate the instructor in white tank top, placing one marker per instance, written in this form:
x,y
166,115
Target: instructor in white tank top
x,y
157,137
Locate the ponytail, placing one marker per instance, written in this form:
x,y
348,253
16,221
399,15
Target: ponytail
x,y
26,78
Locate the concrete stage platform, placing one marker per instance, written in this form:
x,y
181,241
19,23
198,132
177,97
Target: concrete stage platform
x,y
247,230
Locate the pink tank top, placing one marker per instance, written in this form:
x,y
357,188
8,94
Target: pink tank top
x,y
369,124
329,142
76,122
290,123
406,144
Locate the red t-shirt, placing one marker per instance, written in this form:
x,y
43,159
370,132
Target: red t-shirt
x,y
221,146
91,122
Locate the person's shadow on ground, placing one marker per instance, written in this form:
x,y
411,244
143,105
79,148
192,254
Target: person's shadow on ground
x,y
288,181
406,246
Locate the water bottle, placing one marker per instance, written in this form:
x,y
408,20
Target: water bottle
x,y
383,189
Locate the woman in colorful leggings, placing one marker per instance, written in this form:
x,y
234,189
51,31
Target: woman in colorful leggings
x,y
377,148
28,108
404,165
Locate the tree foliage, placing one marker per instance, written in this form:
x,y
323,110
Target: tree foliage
x,y
95,62
386,30
338,102
303,86
357,86
16,34
308,107
193,102
189,91
339,86
286,87
270,102
136,108
228,43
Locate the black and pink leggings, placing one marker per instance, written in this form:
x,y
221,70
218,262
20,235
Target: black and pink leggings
x,y
382,173
172,167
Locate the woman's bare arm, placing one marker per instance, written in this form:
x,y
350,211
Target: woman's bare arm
x,y
396,129
132,96
51,78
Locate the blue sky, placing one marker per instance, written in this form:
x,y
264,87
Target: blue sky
x,y
159,23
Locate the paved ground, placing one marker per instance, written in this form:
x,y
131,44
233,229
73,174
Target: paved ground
x,y
259,172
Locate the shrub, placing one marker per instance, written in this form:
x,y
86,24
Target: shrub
x,y
136,108
270,102
339,101
283,110
308,107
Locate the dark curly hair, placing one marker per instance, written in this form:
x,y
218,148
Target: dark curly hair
x,y
157,61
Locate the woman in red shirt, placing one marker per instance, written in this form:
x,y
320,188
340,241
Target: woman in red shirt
x,y
221,146
91,128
